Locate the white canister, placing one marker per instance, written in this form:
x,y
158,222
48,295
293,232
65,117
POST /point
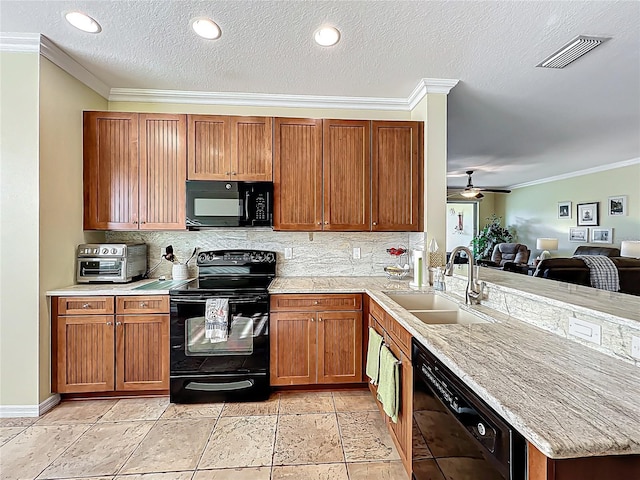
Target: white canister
x,y
179,271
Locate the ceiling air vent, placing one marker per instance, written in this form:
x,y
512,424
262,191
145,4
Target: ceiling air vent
x,y
572,51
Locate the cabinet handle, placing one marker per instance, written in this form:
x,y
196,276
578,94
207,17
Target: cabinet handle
x,y
326,223
118,324
312,319
233,173
316,302
142,223
320,319
319,223
375,223
143,304
86,305
227,173
109,323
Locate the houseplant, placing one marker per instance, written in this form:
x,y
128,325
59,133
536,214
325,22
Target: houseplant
x,y
489,236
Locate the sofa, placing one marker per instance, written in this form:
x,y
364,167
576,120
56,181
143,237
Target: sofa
x,y
507,256
574,270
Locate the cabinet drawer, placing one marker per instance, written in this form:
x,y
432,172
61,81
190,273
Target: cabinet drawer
x,y
377,311
85,305
142,304
298,303
399,334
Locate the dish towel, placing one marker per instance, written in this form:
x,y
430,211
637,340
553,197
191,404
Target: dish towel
x,y
603,273
216,320
372,368
389,386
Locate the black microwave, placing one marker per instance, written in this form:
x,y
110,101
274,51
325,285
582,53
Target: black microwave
x,y
229,204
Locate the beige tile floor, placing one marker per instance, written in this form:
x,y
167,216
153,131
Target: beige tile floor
x,y
304,435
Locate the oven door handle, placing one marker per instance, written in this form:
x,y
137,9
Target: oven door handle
x,y
219,387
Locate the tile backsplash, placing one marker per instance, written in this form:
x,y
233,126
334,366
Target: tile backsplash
x,y
314,253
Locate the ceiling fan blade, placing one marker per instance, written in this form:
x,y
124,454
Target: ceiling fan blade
x,y
496,190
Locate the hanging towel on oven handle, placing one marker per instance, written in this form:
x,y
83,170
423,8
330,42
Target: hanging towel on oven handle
x,y
216,320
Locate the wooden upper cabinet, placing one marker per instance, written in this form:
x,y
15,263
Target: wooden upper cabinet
x,y
230,148
110,148
347,175
163,159
395,176
209,156
251,149
297,179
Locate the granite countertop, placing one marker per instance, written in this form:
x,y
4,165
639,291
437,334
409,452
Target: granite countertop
x,y
81,289
565,398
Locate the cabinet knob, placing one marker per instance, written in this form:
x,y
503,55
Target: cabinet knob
x,y
320,319
319,223
143,304
86,305
316,302
118,324
227,173
109,323
142,223
233,173
326,223
375,223
312,319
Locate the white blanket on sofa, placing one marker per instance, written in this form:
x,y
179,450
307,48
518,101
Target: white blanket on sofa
x,y
603,273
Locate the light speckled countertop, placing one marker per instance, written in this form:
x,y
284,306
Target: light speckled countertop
x,y
565,398
112,289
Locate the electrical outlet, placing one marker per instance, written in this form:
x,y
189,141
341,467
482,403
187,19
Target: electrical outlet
x,y
356,253
288,253
635,347
591,332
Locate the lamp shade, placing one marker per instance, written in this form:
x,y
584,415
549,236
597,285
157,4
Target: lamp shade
x,y
547,243
630,248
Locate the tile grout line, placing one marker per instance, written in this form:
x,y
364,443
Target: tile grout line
x,y
335,412
275,437
206,444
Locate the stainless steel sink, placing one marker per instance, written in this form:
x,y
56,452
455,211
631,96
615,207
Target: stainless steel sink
x,y
443,317
422,301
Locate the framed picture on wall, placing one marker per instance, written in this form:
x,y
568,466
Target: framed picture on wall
x,y
602,235
588,214
617,205
578,234
564,209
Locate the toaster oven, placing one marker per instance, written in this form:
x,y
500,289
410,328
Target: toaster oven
x,y
111,262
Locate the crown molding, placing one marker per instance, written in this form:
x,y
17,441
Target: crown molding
x,y
579,173
20,42
52,52
255,99
430,85
36,43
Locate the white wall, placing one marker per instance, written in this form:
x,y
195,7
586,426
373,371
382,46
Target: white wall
x,y
533,210
19,220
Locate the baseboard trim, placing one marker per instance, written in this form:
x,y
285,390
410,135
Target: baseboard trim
x,y
12,411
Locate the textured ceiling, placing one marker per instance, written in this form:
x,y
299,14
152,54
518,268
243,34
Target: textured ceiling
x,y
509,121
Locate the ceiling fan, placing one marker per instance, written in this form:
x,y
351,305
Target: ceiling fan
x,y
475,192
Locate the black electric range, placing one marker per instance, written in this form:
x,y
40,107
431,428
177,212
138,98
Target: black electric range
x,y
237,368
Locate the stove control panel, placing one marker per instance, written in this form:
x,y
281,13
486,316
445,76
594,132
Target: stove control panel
x,y
236,257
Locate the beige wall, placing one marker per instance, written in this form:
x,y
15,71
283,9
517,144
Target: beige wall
x,y
533,210
258,111
62,100
19,229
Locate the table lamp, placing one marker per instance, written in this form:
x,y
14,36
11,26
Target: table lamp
x,y
546,244
630,248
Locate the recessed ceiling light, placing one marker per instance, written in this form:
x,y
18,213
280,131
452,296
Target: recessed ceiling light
x,y
326,36
83,22
206,28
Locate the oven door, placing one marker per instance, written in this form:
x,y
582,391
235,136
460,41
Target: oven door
x,y
99,269
246,349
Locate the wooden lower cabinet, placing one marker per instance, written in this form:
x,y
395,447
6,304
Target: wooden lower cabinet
x,y
110,352
315,347
401,432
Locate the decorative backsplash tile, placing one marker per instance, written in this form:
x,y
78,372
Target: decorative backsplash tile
x,y
314,254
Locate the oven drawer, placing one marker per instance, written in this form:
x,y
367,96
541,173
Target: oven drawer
x,y
142,304
85,305
314,303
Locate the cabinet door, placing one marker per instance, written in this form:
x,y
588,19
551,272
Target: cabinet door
x,y
346,159
163,171
251,147
209,156
297,174
142,352
339,347
292,339
110,152
395,179
402,430
83,354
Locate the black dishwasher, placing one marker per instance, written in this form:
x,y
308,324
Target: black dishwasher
x,y
456,435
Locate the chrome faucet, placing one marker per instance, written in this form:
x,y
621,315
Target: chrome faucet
x,y
475,289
